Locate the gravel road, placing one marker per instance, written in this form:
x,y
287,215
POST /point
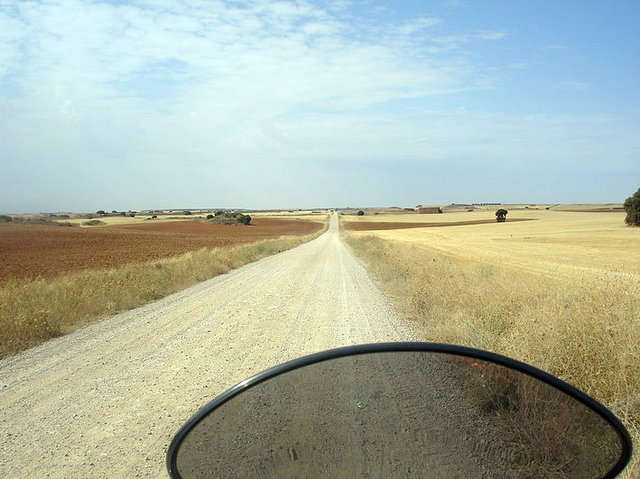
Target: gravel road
x,y
106,400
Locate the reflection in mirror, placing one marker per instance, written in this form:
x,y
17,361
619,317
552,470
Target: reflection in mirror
x,y
401,414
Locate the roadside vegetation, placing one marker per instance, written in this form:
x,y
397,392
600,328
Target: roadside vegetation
x,y
35,310
585,333
51,220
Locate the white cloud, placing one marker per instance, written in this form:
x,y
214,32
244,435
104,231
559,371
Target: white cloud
x,y
266,57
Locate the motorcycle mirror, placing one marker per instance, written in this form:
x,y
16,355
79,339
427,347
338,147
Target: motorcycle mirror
x,y
401,410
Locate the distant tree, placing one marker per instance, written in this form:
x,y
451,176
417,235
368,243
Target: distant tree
x,y
100,212
209,217
632,207
186,212
219,213
114,212
360,213
244,219
154,217
122,213
501,215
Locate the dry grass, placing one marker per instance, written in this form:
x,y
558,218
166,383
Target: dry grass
x,y
581,325
33,311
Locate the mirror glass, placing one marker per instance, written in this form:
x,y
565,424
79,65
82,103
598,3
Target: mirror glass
x,y
401,414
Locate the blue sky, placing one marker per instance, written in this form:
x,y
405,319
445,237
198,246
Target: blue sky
x,y
285,104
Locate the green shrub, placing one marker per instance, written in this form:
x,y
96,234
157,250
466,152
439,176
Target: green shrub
x,y
632,207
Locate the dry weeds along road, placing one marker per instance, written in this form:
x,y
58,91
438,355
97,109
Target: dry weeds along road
x,y
106,400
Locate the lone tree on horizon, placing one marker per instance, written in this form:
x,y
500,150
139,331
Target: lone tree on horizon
x,y
501,215
632,207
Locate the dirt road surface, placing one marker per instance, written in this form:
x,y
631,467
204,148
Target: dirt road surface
x,y
106,400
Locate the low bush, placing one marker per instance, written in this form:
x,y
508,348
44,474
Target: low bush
x,y
244,219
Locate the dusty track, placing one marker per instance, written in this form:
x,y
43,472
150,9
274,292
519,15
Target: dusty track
x,y
106,400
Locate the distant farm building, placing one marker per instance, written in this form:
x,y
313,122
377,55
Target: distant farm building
x,y
423,210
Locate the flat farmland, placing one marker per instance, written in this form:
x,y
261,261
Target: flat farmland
x,y
47,251
562,244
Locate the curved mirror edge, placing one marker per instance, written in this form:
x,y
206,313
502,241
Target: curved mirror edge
x,y
470,354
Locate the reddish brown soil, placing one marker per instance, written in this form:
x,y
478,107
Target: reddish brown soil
x,y
612,210
47,251
372,225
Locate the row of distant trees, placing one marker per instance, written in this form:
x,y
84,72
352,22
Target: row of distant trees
x,y
116,213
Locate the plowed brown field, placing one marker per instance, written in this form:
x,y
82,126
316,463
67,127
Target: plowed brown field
x,y
48,251
384,225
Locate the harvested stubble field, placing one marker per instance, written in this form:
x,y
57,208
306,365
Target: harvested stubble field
x,y
561,293
574,246
58,279
48,251
390,225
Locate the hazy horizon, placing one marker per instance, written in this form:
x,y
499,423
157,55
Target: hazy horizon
x,y
292,104
320,208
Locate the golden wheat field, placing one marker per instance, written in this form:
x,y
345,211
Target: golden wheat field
x,y
573,246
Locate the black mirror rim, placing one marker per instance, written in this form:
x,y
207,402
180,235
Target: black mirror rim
x,y
524,368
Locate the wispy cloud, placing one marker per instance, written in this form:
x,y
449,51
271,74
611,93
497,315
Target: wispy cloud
x,y
573,85
462,38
